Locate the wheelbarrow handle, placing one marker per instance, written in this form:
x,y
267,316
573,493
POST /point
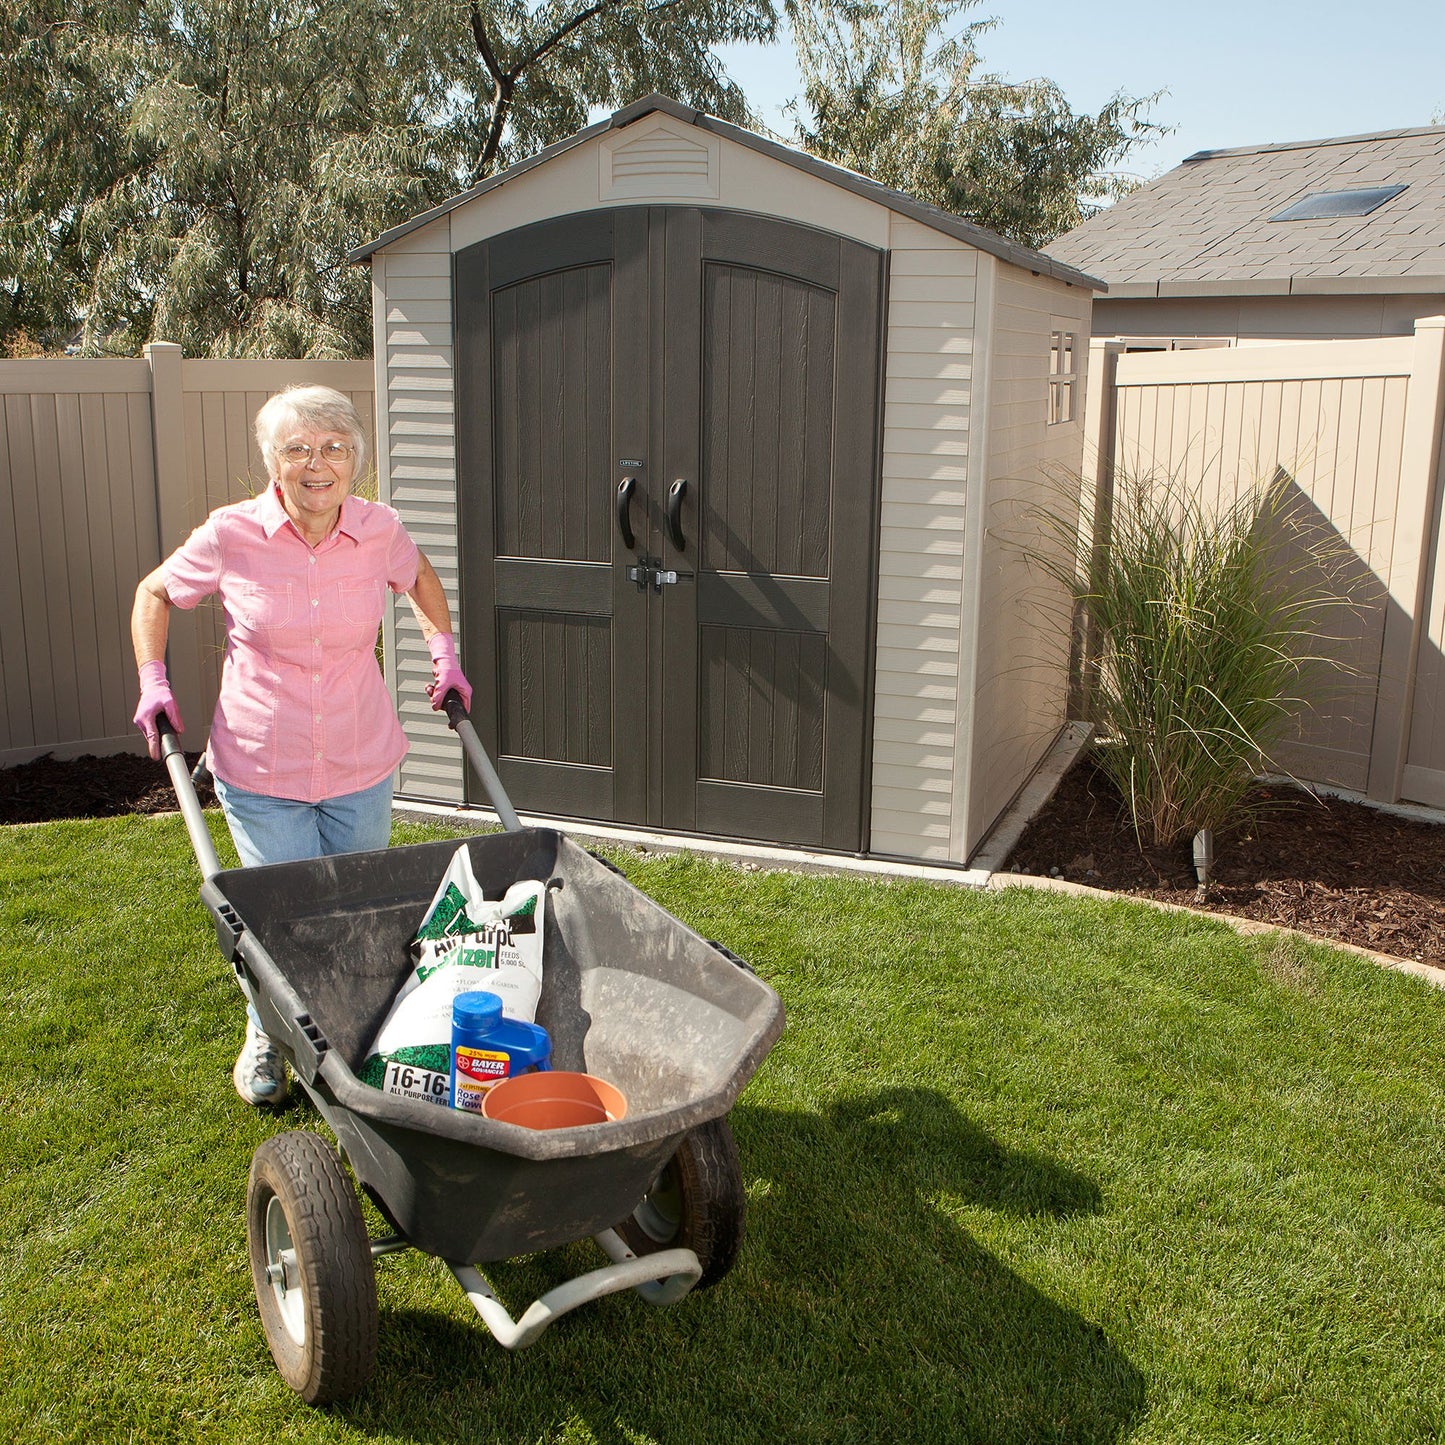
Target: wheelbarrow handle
x,y
175,761
460,721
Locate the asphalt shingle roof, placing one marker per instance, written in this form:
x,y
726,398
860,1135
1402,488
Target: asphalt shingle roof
x,y
1204,227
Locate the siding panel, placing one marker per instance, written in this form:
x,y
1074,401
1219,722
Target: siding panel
x,y
412,283
1018,674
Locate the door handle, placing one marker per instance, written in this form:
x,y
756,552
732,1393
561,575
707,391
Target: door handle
x,y
674,513
625,489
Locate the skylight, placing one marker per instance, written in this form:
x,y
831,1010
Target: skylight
x,y
1326,205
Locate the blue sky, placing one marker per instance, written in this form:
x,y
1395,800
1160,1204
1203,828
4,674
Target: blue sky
x,y
1237,73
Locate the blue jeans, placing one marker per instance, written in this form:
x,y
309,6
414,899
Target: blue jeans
x,y
282,830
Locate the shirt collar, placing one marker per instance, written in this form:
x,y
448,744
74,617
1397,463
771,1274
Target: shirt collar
x,y
273,515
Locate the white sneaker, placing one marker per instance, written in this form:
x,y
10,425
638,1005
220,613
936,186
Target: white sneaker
x,y
260,1072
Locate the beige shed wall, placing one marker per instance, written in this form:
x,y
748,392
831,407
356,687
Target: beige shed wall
x,y
412,317
928,403
1018,640
667,162
657,160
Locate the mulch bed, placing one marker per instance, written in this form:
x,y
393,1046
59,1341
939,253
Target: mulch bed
x,y
1328,867
88,787
1335,869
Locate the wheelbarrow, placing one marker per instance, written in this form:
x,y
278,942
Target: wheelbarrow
x,y
629,994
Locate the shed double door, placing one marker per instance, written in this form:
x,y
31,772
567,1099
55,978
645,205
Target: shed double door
x,y
667,440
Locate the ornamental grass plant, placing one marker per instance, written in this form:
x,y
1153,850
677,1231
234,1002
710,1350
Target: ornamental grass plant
x,y
1208,630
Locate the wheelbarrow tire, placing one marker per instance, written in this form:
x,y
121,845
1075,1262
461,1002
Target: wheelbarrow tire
x,y
320,1317
697,1203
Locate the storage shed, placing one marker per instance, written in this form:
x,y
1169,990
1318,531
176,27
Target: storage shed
x,y
710,440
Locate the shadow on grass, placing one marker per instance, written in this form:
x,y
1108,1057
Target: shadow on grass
x,y
861,1309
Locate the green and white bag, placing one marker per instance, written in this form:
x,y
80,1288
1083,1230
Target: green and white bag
x,y
465,942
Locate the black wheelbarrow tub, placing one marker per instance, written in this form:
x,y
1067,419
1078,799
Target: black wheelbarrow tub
x,y
629,994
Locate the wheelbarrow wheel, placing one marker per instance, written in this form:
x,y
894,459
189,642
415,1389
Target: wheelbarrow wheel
x,y
311,1267
696,1203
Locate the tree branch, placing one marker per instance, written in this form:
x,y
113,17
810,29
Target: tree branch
x,y
562,32
484,45
505,80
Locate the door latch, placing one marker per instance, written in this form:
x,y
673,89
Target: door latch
x,y
650,573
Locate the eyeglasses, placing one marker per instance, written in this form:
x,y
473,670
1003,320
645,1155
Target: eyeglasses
x,y
300,455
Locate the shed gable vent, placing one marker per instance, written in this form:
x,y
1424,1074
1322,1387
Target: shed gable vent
x,y
657,157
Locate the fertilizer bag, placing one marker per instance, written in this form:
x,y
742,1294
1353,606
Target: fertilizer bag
x,y
465,942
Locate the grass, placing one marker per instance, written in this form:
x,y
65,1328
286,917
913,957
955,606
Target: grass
x,y
1022,1168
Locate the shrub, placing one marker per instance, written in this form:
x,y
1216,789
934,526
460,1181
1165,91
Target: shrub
x,y
1203,627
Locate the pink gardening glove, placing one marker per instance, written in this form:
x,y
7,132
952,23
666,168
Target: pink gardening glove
x,y
446,672
155,698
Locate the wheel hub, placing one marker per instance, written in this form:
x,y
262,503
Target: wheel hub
x,y
660,1213
282,1272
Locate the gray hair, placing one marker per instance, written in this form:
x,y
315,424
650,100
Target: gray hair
x,y
306,407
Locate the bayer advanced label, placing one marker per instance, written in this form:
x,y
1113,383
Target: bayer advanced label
x,y
477,1071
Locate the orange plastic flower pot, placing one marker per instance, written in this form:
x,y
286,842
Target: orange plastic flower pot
x,y
554,1099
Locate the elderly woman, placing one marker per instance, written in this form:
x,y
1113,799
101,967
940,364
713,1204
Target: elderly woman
x,y
304,740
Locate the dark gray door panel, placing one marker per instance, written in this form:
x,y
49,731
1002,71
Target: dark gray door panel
x,y
713,676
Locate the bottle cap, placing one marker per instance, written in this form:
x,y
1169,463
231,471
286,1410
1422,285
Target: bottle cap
x,y
477,1010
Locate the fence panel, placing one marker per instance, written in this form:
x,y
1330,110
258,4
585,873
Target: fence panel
x,y
1422,774
1343,420
213,415
78,496
104,466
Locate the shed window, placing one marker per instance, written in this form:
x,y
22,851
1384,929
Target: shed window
x,y
1063,375
1323,205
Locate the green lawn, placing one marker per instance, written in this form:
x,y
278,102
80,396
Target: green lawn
x,y
1021,1168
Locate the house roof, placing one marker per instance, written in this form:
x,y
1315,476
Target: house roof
x,y
906,205
1204,229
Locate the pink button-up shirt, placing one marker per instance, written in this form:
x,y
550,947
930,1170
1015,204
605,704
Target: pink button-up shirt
x,y
304,712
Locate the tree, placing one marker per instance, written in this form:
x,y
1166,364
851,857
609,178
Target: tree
x,y
196,170
533,75
887,92
59,142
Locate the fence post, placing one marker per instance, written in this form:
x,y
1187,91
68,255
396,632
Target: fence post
x,y
1415,525
1096,506
174,522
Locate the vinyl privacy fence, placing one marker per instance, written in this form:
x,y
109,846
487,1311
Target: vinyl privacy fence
x,y
1356,426
105,466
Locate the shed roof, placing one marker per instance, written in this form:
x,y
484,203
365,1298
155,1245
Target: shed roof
x,y
938,219
1204,228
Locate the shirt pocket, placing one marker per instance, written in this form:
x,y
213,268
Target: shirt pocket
x,y
262,609
361,603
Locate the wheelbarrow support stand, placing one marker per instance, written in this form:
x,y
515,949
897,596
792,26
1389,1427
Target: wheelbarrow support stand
x,y
661,1279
